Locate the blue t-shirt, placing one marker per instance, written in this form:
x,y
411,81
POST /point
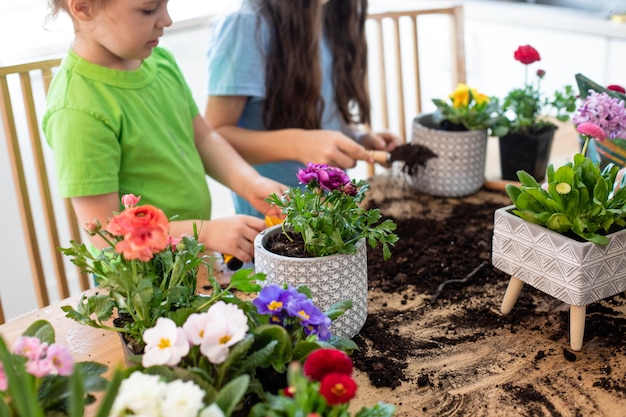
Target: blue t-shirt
x,y
237,62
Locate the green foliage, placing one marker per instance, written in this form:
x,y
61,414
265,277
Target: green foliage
x,y
526,109
467,108
144,291
580,198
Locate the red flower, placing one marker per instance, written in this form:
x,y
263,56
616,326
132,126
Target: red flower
x,y
289,392
337,388
322,362
615,87
526,54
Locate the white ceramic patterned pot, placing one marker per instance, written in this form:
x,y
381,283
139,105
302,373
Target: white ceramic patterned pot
x,y
331,279
575,272
459,168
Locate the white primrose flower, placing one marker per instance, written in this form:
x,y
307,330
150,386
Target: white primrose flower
x,y
182,399
139,395
226,325
212,411
194,327
166,344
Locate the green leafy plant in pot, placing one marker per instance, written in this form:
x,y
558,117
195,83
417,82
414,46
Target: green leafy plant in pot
x,y
579,197
327,215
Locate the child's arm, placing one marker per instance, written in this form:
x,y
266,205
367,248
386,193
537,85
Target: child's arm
x,y
319,146
224,164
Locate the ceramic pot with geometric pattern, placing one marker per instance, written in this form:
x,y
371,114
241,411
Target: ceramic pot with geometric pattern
x,y
458,169
331,279
575,272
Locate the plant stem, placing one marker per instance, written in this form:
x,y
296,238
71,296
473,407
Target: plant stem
x,y
584,150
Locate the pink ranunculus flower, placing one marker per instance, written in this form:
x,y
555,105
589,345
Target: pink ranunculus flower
x,y
308,174
130,200
332,178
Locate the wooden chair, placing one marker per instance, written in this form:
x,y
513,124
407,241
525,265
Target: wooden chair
x,y
394,43
20,119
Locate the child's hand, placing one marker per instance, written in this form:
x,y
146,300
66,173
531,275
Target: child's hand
x,y
385,141
233,235
262,188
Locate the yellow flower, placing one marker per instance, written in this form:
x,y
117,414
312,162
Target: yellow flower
x,y
461,96
480,98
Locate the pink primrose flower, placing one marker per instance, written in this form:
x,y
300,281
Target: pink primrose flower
x,y
30,347
61,359
39,367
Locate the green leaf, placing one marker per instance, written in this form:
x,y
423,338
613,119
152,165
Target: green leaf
x,y
77,394
106,403
379,410
338,309
232,393
42,330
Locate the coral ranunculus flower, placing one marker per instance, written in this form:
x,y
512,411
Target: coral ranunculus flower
x,y
322,362
526,54
337,388
145,231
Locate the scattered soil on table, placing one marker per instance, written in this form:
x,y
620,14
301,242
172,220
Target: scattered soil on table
x,y
435,342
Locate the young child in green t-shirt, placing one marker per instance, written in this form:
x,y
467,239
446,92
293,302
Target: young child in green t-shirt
x,y
121,120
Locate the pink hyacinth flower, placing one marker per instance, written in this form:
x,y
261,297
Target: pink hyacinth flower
x,y
591,130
